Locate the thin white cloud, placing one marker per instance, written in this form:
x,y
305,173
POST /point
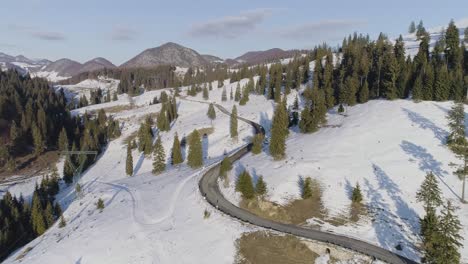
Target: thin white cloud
x,y
37,32
123,34
48,35
230,26
321,30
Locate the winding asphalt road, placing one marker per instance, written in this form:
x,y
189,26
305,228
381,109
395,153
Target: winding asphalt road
x,y
210,189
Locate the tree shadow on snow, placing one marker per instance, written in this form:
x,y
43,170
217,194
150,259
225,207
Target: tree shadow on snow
x,y
349,189
265,122
205,144
424,123
426,162
386,225
139,163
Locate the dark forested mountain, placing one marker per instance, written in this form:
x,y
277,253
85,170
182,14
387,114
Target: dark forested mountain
x,y
64,67
167,54
212,59
96,64
258,57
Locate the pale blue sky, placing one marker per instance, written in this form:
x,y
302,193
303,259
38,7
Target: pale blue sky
x,y
118,29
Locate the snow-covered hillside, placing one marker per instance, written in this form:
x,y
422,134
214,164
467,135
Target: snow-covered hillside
x,y
75,91
147,218
385,146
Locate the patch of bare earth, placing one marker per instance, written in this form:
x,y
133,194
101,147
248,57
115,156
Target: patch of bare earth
x,y
267,248
31,165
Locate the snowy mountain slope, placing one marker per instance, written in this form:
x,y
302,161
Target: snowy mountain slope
x,y
386,146
85,87
147,219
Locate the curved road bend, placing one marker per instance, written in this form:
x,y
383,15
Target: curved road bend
x,y
210,189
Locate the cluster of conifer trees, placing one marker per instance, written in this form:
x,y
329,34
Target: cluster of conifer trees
x,y
245,185
22,221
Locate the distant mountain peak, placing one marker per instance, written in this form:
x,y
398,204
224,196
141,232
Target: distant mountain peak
x,y
169,53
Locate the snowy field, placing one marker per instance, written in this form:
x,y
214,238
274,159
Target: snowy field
x,y
385,146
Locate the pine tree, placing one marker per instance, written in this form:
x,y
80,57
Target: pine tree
x,y
206,94
356,195
441,86
129,162
245,186
100,205
226,166
429,193
448,238
211,112
307,188
261,187
237,95
412,28
37,215
417,93
62,222
38,140
63,140
278,133
14,137
245,95
159,157
389,80
176,154
49,215
456,122
257,144
224,95
195,154
364,93
162,120
231,95
233,123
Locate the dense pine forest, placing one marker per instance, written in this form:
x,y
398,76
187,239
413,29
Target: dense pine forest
x,y
34,119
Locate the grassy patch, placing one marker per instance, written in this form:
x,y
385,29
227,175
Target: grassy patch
x,y
268,248
117,108
30,164
298,211
202,131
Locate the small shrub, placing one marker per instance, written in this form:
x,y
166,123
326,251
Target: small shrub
x,y
100,205
206,214
356,197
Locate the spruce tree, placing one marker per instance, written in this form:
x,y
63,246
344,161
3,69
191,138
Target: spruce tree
x,y
159,157
176,154
206,94
356,196
195,154
162,121
38,140
364,93
63,140
211,113
307,188
62,222
441,86
224,95
233,126
456,122
237,95
448,239
226,166
412,28
231,95
429,193
278,133
129,162
257,144
245,186
37,215
261,187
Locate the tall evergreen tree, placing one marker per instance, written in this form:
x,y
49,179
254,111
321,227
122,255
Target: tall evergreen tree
x,y
257,143
211,113
260,187
237,95
206,94
278,133
63,140
412,28
176,154
159,157
129,161
39,144
224,95
448,238
195,154
233,124
245,186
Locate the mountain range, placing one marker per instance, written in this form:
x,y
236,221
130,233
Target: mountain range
x,y
167,54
